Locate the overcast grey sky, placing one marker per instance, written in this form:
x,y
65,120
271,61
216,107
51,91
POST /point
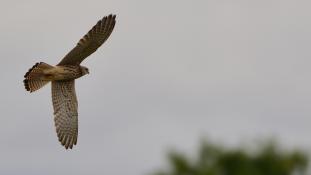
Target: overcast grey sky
x,y
172,72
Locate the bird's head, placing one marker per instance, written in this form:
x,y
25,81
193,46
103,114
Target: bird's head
x,y
84,70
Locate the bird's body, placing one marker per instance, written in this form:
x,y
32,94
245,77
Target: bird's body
x,y
59,73
63,73
62,77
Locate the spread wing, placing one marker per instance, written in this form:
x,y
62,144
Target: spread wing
x,y
91,41
65,106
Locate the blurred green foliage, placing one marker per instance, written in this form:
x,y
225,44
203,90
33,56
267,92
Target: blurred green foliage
x,y
216,160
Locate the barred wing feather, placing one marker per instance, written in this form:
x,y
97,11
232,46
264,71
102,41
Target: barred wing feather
x,y
65,106
91,41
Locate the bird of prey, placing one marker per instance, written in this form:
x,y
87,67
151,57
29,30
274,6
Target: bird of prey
x,y
63,75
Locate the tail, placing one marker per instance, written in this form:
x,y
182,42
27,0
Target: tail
x,y
33,78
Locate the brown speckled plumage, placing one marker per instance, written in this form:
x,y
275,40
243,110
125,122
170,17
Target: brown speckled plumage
x,y
62,76
65,107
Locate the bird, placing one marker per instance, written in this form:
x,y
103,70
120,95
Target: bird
x,y
62,78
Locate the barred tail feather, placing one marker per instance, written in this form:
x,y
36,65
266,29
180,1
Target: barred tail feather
x,y
33,78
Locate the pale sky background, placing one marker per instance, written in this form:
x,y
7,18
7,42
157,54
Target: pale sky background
x,y
171,73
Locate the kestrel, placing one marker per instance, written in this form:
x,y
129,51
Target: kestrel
x,y
63,75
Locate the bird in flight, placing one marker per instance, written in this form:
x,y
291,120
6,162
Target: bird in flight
x,y
63,75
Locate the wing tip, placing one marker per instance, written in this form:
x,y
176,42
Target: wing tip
x,y
111,16
67,141
68,145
